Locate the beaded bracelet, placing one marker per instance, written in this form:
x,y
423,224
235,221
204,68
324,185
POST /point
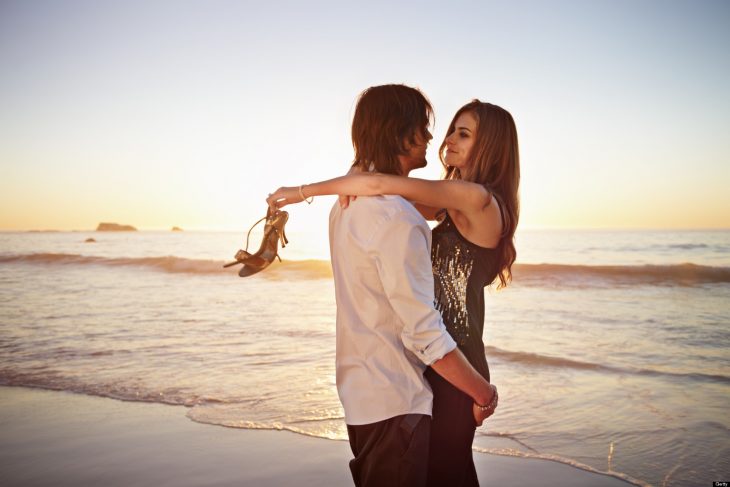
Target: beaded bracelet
x,y
301,193
492,404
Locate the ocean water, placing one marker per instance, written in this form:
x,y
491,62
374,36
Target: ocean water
x,y
611,349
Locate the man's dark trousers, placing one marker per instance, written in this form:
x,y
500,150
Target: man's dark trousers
x,y
392,452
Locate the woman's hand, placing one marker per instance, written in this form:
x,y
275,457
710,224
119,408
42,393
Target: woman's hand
x,y
480,414
296,194
284,196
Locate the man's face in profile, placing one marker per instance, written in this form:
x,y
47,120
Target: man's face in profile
x,y
415,156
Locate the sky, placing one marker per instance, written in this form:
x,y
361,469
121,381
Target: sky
x,y
188,113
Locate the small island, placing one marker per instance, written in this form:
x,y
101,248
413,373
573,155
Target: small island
x,y
177,229
115,227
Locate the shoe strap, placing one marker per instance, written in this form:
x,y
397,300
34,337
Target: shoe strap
x,y
252,227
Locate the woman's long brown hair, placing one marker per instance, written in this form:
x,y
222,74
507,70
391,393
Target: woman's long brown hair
x,y
494,162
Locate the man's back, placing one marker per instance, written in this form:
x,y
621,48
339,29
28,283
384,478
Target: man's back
x,y
387,328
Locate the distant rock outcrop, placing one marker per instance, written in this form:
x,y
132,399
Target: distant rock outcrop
x,y
177,229
89,240
115,227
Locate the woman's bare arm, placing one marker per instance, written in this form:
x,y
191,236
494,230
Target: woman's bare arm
x,y
459,195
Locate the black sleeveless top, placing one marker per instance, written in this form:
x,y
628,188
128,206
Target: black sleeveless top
x,y
461,271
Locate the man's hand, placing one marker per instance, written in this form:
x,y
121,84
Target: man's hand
x,y
481,414
345,200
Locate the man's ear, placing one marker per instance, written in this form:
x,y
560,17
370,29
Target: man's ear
x,y
405,143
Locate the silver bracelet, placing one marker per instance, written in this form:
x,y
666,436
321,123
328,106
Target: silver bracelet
x,y
301,193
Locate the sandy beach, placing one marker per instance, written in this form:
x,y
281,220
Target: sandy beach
x,y
60,438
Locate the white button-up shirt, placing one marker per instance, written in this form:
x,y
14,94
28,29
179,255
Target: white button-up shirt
x,y
387,328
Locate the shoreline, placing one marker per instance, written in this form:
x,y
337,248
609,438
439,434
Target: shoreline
x,y
64,438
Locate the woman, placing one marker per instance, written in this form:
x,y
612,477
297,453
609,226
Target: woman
x,y
478,207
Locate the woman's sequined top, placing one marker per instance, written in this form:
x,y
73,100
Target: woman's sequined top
x,y
461,271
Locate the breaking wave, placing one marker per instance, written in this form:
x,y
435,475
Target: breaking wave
x,y
524,274
674,274
290,269
538,360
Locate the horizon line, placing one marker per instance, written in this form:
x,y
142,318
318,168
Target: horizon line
x,y
213,230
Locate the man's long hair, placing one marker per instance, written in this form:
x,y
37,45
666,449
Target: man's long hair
x,y
493,161
385,118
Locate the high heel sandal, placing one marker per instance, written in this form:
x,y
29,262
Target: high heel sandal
x,y
273,234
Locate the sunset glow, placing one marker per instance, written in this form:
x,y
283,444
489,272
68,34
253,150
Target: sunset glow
x,y
188,114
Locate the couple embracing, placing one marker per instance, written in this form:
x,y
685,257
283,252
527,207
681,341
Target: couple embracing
x,y
412,373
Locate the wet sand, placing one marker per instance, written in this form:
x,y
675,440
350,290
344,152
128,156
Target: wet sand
x,y
65,439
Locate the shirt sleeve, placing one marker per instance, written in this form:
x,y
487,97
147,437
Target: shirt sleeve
x,y
403,259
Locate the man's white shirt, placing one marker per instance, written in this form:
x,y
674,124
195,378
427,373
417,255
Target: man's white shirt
x,y
387,328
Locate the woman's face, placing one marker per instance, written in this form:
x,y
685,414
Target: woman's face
x,y
461,140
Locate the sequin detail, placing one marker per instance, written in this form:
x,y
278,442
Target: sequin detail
x,y
452,264
461,270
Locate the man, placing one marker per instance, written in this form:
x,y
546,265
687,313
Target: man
x,y
387,328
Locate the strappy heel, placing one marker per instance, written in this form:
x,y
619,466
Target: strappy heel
x,y
269,250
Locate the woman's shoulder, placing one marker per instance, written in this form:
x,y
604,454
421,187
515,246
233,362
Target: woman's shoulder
x,y
481,226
